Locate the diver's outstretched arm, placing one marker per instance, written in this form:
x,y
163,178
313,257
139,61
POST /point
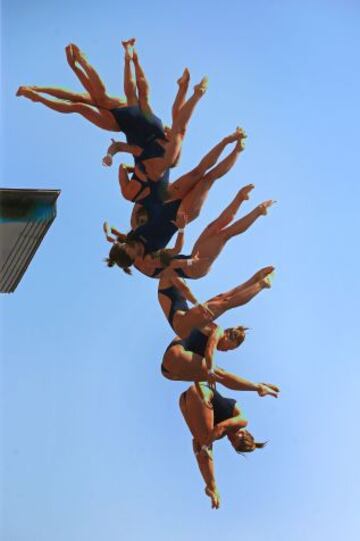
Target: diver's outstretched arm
x,y
118,146
237,383
197,371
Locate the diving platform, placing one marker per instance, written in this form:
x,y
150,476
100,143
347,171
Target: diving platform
x,y
25,217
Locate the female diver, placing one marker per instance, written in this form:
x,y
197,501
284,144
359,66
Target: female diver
x,y
192,358
173,294
133,116
155,234
210,417
209,244
148,194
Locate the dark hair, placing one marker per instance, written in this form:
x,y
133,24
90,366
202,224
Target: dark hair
x,y
236,333
247,443
118,256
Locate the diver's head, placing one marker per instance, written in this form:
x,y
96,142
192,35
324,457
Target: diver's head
x,y
232,339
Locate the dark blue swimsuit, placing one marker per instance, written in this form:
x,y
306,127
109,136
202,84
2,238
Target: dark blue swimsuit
x,y
156,196
141,129
178,302
195,342
158,231
180,272
223,407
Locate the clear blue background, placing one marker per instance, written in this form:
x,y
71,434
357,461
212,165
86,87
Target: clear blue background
x,y
93,443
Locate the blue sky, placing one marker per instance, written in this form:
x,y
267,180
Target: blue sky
x,y
93,443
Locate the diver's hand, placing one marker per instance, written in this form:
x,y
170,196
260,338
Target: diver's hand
x,y
181,220
107,160
267,389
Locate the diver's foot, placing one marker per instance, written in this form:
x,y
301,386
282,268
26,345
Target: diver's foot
x,y
263,273
268,280
240,137
128,42
20,90
77,54
241,133
263,207
70,54
130,53
237,135
244,192
201,88
185,78
27,92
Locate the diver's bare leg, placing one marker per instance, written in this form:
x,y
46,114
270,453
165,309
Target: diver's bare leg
x,y
179,101
142,85
179,188
64,94
101,118
241,225
129,81
185,322
90,78
187,110
226,217
86,74
226,164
